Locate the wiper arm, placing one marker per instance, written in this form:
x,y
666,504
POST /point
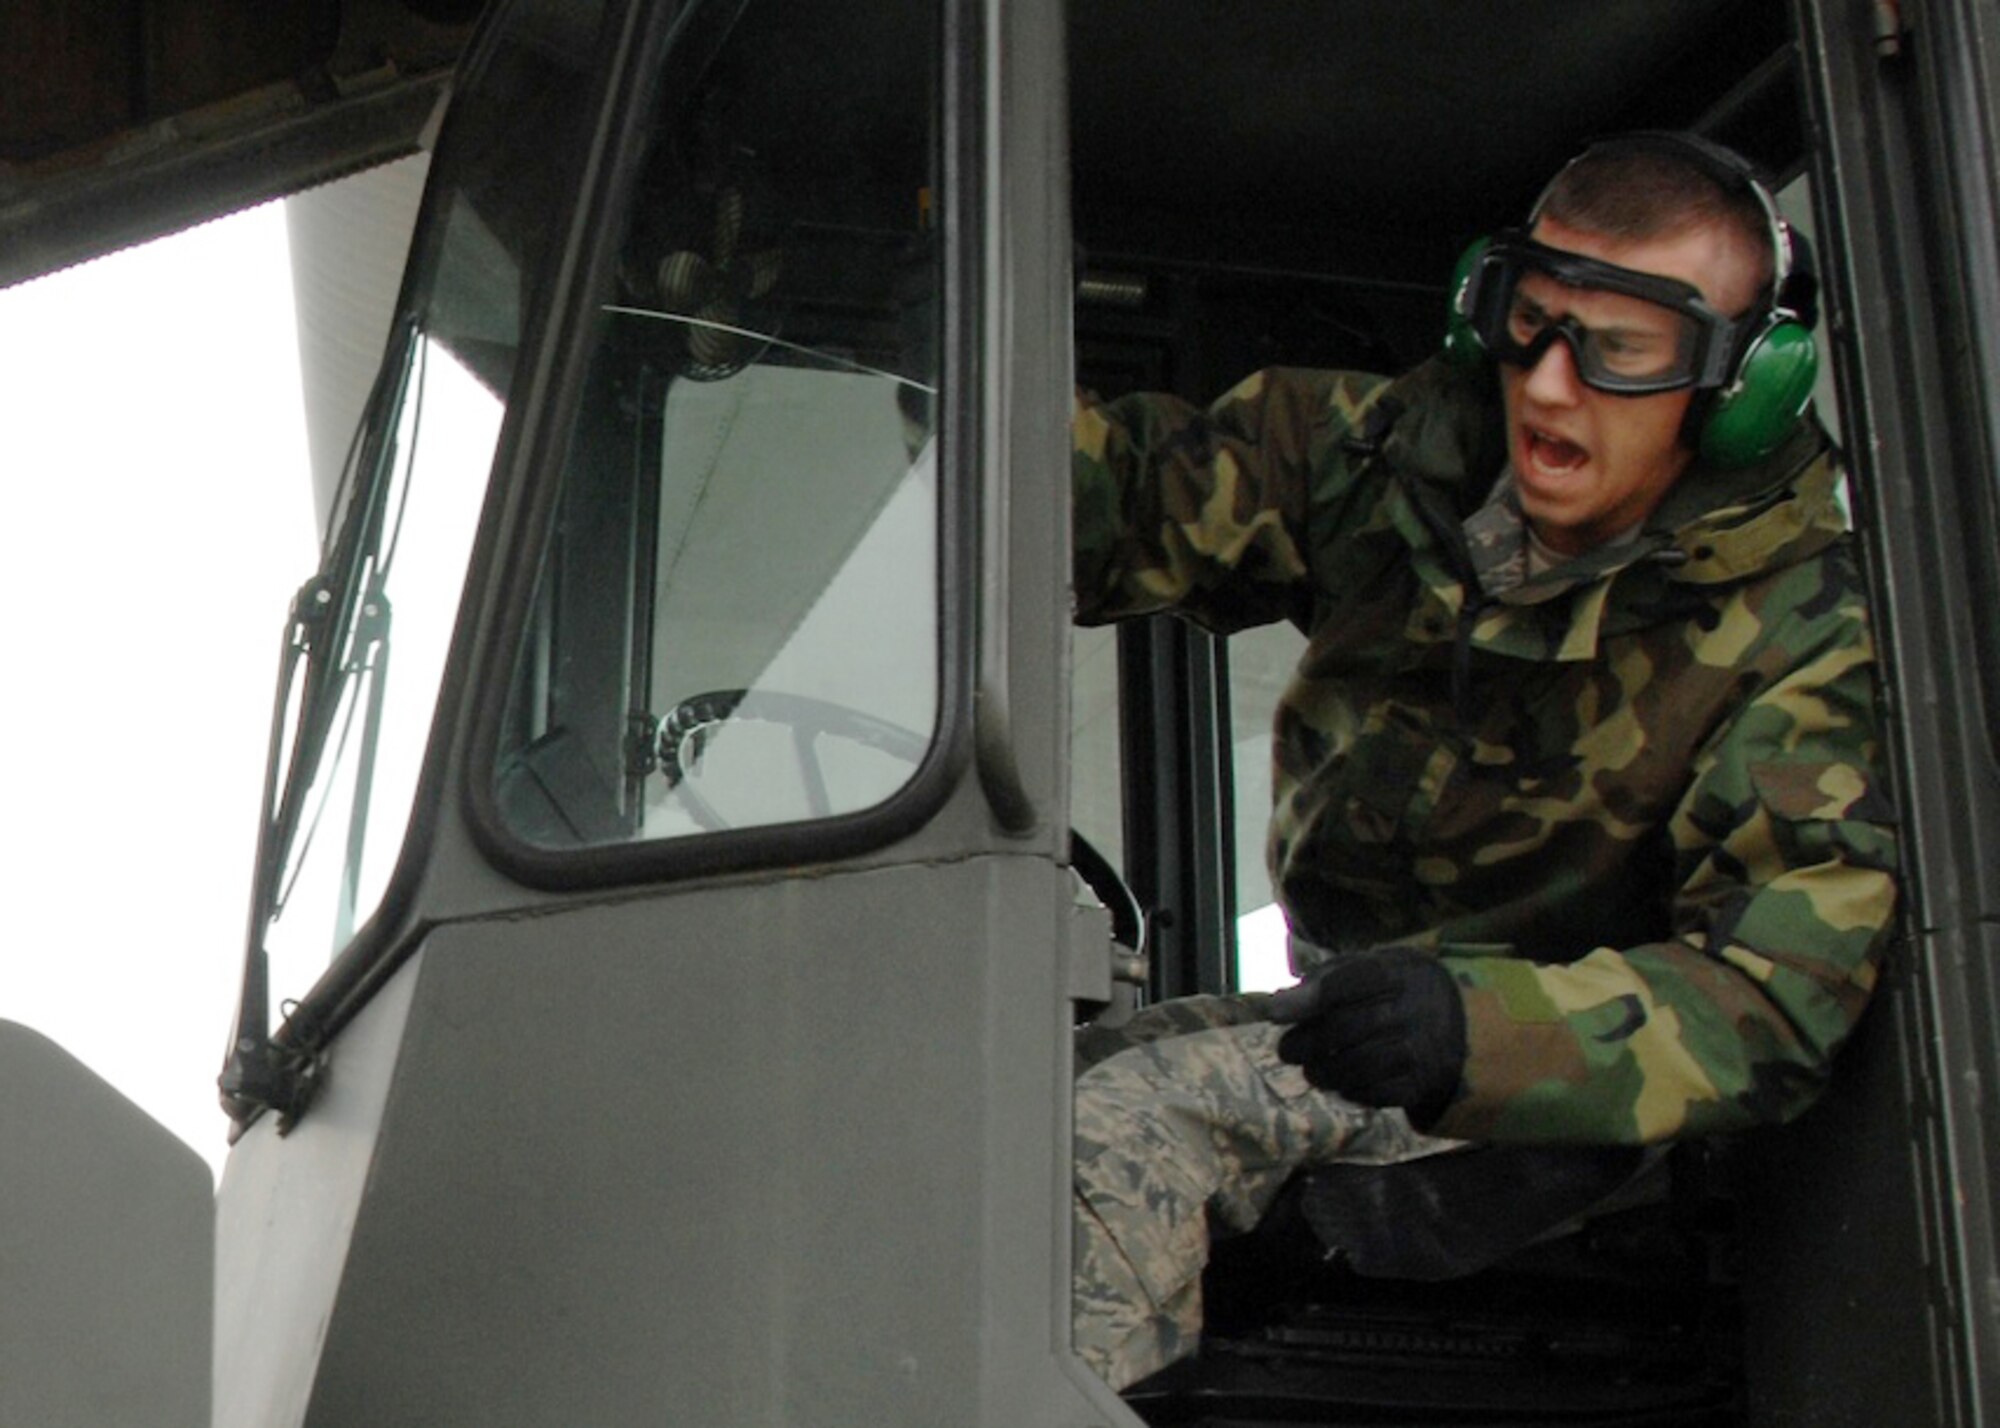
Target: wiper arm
x,y
328,635
278,1073
256,1074
370,659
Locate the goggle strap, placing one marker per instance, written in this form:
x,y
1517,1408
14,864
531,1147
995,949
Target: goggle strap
x,y
1733,171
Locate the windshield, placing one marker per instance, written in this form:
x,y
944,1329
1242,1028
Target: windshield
x,y
369,632
737,624
370,714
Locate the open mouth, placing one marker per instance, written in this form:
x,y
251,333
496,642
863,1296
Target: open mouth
x,y
1551,454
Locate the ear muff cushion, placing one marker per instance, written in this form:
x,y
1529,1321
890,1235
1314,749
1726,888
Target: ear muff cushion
x,y
1461,341
1755,413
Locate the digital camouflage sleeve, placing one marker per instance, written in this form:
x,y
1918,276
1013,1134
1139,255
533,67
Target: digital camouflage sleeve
x,y
1635,803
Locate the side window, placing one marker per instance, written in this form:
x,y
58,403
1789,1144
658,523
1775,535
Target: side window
x,y
1096,797
737,621
370,632
1260,665
1251,929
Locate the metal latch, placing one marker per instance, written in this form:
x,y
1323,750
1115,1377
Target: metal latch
x,y
1103,973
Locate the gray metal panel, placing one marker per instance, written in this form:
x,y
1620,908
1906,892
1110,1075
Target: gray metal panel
x,y
1898,243
789,1153
105,1252
283,1218
1023,728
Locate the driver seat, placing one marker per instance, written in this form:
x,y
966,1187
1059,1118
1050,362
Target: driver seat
x,y
1624,1313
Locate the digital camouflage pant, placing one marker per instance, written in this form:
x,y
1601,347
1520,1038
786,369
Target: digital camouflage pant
x,y
1185,1117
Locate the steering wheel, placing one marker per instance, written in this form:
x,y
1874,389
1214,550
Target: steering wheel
x,y
678,741
678,738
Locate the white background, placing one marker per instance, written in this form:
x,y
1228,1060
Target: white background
x,y
157,516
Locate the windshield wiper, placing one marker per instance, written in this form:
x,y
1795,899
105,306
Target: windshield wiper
x,y
335,633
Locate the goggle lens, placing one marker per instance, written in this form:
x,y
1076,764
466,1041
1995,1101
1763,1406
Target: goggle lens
x,y
1643,347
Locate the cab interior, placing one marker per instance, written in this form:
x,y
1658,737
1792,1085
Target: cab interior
x,y
1285,182
1290,183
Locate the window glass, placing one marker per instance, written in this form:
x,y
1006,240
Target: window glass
x,y
394,658
1096,773
1261,662
371,630
736,623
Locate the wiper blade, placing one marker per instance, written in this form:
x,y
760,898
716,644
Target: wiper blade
x,y
256,1074
329,643
327,617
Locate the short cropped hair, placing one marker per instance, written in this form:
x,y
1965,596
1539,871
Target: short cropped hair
x,y
1636,194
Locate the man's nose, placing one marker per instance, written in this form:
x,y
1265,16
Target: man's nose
x,y
1553,380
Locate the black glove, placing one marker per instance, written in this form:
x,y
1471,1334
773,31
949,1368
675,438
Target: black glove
x,y
1383,1027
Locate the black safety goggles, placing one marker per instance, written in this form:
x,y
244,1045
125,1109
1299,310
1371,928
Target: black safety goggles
x,y
1519,296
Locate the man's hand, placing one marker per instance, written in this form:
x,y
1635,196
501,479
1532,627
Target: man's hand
x,y
1383,1027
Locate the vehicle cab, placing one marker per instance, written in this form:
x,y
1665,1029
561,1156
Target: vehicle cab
x,y
694,831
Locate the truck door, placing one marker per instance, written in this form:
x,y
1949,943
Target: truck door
x,y
693,1045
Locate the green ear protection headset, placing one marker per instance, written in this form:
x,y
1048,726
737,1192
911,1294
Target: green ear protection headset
x,y
1742,412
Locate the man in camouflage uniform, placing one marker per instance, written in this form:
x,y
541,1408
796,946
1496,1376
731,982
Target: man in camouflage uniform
x,y
1579,823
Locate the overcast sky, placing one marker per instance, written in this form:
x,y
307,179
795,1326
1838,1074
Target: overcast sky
x,y
158,516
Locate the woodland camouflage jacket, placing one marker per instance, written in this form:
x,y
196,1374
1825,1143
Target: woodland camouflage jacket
x,y
1634,802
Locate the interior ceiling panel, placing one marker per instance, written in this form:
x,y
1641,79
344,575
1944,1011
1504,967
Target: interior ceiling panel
x,y
1305,124
1347,119
121,120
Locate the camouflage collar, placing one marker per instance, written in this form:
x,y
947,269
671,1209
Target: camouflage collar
x,y
1705,491
1511,562
1795,515
1499,539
